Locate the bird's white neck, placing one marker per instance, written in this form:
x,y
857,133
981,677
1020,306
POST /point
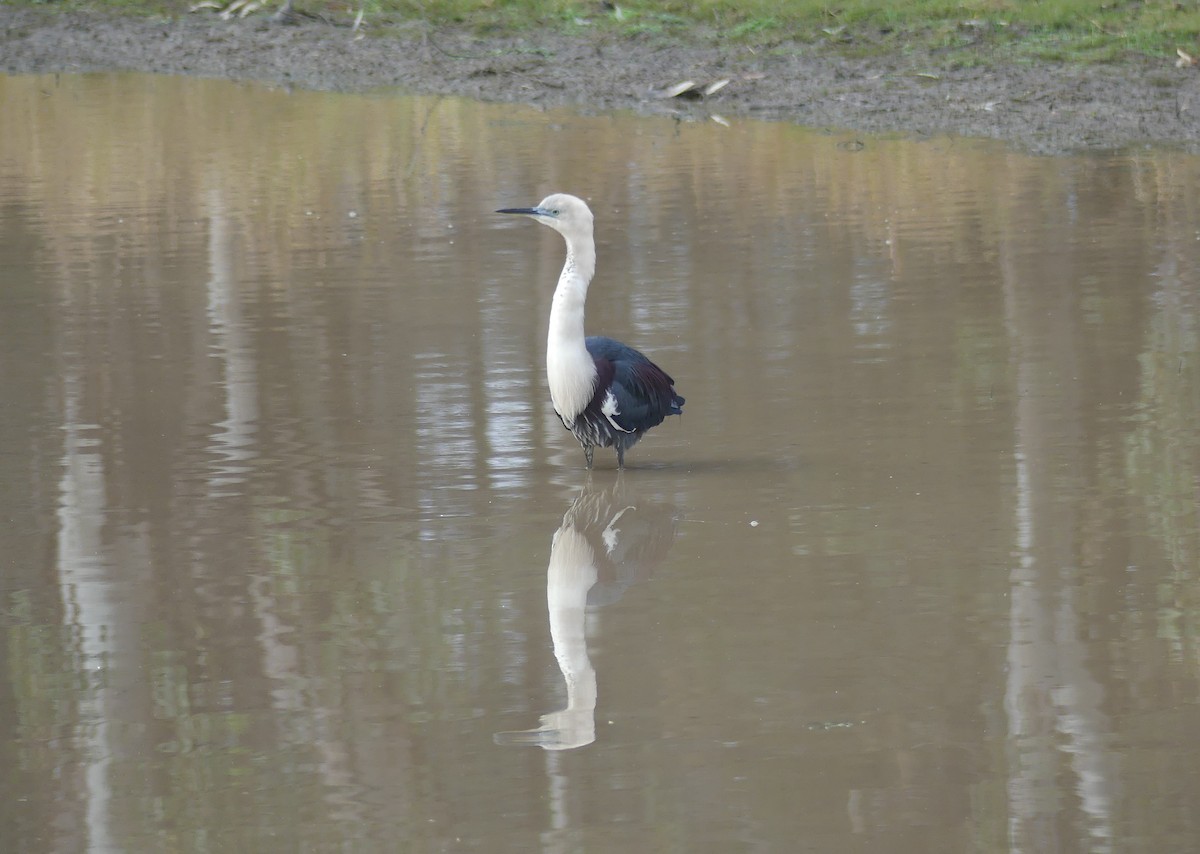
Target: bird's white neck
x,y
569,368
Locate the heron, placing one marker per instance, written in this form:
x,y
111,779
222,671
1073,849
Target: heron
x,y
607,393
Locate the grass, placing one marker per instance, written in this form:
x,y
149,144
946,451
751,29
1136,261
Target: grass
x,y
1053,30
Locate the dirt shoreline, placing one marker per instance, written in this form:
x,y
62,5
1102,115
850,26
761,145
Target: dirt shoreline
x,y
1044,109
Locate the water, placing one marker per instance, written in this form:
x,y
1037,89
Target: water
x,y
298,558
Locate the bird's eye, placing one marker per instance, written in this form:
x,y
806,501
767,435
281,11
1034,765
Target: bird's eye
x,y
555,211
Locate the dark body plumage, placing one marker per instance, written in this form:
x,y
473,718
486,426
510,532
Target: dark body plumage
x,y
643,394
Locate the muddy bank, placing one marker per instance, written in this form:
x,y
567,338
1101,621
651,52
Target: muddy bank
x,y
1045,109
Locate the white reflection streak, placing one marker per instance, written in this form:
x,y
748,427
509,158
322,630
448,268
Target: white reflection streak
x,y
233,443
447,452
304,719
508,426
87,603
870,298
557,840
1048,686
507,390
1030,775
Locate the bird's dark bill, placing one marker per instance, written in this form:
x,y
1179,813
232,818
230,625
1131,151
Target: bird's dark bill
x,y
526,211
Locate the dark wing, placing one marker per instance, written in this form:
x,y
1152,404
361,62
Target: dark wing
x,y
644,392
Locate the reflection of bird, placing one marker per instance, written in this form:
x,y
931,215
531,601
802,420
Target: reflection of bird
x,y
606,542
605,392
628,537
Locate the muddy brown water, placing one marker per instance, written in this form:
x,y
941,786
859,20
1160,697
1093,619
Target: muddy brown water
x,y
297,557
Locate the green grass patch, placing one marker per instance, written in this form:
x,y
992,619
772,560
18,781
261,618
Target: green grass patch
x,y
1055,30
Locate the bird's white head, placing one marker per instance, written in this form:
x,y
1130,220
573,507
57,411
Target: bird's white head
x,y
568,215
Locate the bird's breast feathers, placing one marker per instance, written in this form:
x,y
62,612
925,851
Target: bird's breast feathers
x,y
572,381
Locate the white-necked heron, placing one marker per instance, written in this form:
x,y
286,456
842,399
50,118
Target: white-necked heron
x,y
606,393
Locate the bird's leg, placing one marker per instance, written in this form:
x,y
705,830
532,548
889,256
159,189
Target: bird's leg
x,y
587,453
620,457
